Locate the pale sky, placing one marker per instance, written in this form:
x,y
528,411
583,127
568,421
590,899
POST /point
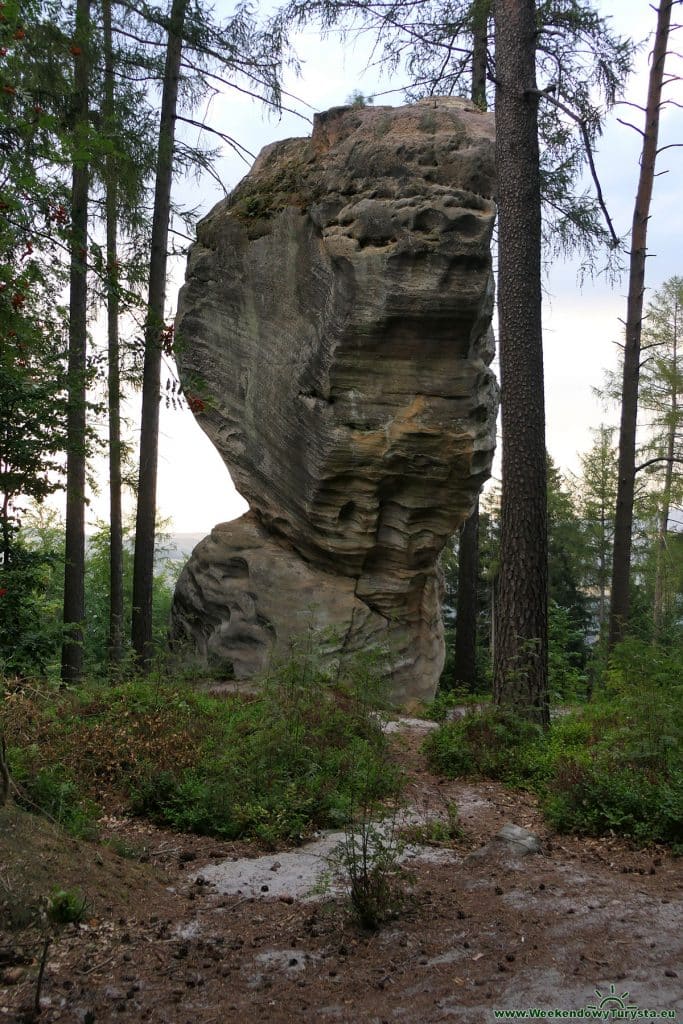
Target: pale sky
x,y
581,326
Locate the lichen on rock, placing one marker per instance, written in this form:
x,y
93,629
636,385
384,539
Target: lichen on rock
x,y
336,322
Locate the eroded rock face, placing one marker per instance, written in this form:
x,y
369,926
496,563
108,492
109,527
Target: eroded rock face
x,y
335,322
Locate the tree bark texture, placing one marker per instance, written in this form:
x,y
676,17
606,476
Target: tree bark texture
x,y
143,567
467,605
481,11
663,531
623,522
468,549
113,373
521,652
4,773
74,568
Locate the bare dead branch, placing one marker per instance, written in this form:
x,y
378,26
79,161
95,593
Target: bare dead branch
x,y
41,974
627,124
629,103
237,146
248,92
4,774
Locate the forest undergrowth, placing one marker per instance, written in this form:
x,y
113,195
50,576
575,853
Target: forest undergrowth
x,y
309,751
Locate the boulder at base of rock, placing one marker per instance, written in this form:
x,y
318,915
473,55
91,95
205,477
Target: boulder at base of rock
x,y
519,839
333,338
508,846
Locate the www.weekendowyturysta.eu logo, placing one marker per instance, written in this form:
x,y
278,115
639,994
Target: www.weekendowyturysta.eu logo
x,y
611,1005
611,1001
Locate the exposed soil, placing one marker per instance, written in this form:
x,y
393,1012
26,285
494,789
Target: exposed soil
x,y
484,929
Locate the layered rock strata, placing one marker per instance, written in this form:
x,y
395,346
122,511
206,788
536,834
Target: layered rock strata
x,y
335,325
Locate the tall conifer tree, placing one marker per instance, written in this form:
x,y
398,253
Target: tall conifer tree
x,y
143,572
74,573
623,520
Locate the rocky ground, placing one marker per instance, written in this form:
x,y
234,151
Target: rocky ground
x,y
185,929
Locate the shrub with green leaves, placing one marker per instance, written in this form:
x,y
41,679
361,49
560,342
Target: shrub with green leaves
x,y
439,709
611,797
567,677
51,790
30,611
97,586
368,863
613,767
66,906
637,666
492,743
304,754
629,779
300,756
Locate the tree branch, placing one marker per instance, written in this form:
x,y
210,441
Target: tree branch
x,y
627,124
248,92
545,94
237,146
663,458
628,103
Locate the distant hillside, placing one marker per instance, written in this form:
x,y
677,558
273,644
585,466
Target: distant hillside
x,y
179,546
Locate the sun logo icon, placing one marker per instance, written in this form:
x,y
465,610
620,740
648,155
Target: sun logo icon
x,y
611,1001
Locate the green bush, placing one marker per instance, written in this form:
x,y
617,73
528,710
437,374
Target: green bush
x,y
567,677
445,700
492,743
636,666
31,596
305,754
66,906
603,798
30,611
299,757
616,767
627,778
97,583
50,789
368,863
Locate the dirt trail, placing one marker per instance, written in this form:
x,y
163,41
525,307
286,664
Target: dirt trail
x,y
585,922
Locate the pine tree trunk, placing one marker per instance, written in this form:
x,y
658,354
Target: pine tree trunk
x,y
481,11
4,773
602,608
663,532
113,374
468,549
521,654
623,522
143,568
465,671
74,569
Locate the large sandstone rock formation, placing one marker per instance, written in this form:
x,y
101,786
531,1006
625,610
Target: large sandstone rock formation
x,y
335,323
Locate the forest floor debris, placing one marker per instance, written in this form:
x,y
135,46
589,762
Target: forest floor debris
x,y
585,922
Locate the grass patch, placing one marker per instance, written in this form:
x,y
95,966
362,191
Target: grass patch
x,y
435,831
54,792
303,755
